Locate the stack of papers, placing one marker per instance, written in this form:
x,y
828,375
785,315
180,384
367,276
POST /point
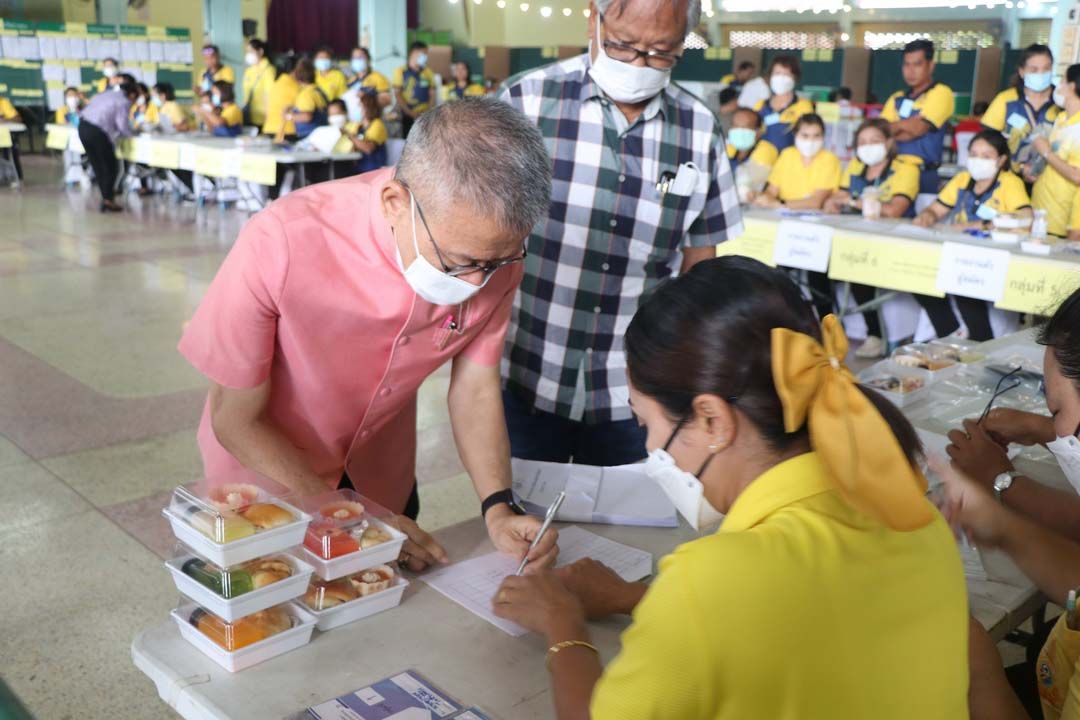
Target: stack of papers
x,y
621,495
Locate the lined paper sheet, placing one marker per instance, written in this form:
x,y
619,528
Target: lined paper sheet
x,y
473,583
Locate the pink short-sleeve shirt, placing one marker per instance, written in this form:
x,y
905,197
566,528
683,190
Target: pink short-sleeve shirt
x,y
311,298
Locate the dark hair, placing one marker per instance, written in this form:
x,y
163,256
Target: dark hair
x,y
225,89
112,60
127,79
996,140
1061,333
748,111
727,95
786,61
367,53
980,108
128,88
468,67
212,47
926,47
165,89
1073,75
710,331
286,63
1029,52
71,89
881,126
337,104
304,70
840,93
417,45
370,104
325,49
808,119
143,90
745,65
257,45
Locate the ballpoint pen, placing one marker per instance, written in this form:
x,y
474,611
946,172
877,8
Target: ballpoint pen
x,y
543,529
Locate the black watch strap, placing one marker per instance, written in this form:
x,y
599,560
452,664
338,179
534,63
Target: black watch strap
x,y
502,496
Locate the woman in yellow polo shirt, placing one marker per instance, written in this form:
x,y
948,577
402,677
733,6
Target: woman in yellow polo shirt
x,y
259,76
224,119
784,107
805,175
329,79
282,96
367,136
461,85
1054,190
970,201
69,113
367,80
1026,106
309,109
171,117
833,588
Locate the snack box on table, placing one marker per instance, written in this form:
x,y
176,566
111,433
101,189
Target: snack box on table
x,y
348,533
239,644
939,361
232,523
337,602
239,590
900,384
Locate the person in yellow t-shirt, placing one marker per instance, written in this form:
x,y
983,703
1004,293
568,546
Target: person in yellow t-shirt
x,y
751,159
224,119
803,176
110,70
368,136
329,79
971,200
366,80
414,84
259,76
1025,107
171,116
919,116
461,85
1074,218
1057,185
143,115
69,113
783,108
282,96
853,531
309,109
214,70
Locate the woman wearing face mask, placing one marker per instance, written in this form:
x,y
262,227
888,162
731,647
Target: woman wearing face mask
x,y
215,70
144,114
1055,188
979,450
806,175
368,136
822,546
224,118
1025,107
367,80
171,115
897,183
328,78
309,109
259,76
110,71
780,112
69,114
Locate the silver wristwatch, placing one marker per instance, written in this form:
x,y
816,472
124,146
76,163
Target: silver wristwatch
x,y
1003,482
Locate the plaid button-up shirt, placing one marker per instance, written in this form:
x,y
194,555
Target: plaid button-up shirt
x,y
611,235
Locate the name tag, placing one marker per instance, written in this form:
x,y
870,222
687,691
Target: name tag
x,y
423,83
772,119
907,106
1017,121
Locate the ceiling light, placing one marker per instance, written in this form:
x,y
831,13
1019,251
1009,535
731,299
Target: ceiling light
x,y
545,11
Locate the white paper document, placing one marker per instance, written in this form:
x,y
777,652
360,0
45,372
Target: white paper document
x,y
472,583
621,495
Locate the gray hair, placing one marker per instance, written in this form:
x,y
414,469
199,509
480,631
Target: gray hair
x,y
481,152
693,11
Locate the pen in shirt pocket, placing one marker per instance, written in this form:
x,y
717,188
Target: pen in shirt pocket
x,y
449,323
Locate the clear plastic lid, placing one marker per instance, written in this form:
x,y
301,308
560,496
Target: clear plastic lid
x,y
899,384
343,523
243,631
957,349
322,595
225,512
235,580
923,356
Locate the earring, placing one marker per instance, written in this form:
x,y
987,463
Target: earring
x,y
716,447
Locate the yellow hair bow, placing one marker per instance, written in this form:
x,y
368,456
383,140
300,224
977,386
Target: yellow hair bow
x,y
854,442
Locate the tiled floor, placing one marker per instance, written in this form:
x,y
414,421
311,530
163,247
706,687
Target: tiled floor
x,y
97,423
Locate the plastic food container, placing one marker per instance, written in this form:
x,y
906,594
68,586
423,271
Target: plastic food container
x,y
1011,221
254,638
339,602
964,352
900,384
232,523
233,592
348,533
939,362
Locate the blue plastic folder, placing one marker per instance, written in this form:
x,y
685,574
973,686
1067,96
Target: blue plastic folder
x,y
407,695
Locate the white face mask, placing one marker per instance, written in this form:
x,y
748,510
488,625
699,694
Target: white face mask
x,y
623,82
1058,97
684,490
72,103
781,84
250,58
808,148
109,72
336,121
981,168
872,154
430,283
1067,452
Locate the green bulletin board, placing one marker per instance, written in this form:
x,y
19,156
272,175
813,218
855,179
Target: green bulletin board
x,y
703,65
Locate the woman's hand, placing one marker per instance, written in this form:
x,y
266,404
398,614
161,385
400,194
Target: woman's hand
x,y
970,508
599,589
1006,425
541,603
975,454
1041,145
764,200
420,550
836,203
925,218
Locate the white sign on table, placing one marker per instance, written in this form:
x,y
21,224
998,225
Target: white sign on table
x,y
803,245
973,271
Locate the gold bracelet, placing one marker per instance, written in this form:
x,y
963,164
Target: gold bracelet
x,y
554,649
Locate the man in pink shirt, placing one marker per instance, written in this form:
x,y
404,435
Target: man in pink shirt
x,y
337,301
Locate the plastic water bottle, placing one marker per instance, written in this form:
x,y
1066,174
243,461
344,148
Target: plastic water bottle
x,y
871,203
1038,227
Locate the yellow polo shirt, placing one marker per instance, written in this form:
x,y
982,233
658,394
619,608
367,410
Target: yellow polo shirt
x,y
1053,192
172,110
1008,195
375,133
310,100
150,116
796,181
453,92
1074,212
376,81
935,105
901,178
7,110
282,96
416,89
798,607
332,83
762,153
232,115
258,81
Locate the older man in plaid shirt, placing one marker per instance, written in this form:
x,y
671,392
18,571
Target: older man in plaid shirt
x,y
640,180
